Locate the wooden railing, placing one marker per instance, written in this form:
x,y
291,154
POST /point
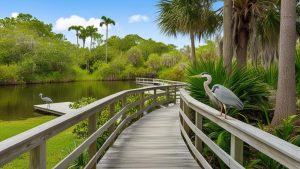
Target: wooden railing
x,y
153,81
192,110
34,140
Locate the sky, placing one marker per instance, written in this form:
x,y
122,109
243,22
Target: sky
x,y
131,16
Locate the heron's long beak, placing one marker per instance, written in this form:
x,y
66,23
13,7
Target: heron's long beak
x,y
196,76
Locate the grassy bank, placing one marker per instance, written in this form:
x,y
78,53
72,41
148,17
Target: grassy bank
x,y
57,147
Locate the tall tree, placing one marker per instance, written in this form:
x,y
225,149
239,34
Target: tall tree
x,y
77,30
83,34
286,91
227,40
91,31
106,21
192,17
246,15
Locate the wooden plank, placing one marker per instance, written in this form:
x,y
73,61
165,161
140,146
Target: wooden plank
x,y
236,149
38,157
199,125
154,141
92,127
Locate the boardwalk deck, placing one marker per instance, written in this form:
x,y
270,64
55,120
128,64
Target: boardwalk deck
x,y
154,141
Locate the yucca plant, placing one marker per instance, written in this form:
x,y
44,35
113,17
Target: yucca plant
x,y
269,74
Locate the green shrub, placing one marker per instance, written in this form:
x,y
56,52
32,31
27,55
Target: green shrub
x,y
174,73
9,74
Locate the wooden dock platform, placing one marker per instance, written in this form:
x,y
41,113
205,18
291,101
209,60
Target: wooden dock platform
x,y
61,108
154,141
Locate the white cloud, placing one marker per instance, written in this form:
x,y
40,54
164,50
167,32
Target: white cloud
x,y
62,24
138,18
14,14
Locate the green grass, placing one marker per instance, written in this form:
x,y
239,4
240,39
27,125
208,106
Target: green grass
x,y
57,147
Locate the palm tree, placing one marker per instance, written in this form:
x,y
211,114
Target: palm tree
x,y
190,17
77,30
246,15
83,34
286,91
106,21
227,40
91,31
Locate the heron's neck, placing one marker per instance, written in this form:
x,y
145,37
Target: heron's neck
x,y
206,87
41,96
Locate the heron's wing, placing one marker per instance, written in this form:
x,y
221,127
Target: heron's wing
x,y
227,97
48,99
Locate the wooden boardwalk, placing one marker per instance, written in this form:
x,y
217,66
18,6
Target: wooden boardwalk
x,y
154,141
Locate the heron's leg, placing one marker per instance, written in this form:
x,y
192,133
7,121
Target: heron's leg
x,y
221,105
225,110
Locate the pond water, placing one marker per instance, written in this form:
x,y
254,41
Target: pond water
x,y
16,102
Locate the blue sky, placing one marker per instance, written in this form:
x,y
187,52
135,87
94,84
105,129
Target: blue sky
x,y
62,13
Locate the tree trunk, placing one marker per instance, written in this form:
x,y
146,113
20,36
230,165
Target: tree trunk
x,y
106,43
286,91
193,50
83,43
91,43
77,36
227,40
241,49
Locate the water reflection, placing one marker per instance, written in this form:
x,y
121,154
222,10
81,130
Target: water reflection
x,y
16,102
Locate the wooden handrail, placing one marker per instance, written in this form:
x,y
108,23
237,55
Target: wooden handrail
x,y
34,139
283,152
154,81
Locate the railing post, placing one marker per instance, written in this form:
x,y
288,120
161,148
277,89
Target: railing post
x,y
188,112
92,127
199,125
236,149
123,105
168,94
38,157
175,95
154,98
111,114
142,103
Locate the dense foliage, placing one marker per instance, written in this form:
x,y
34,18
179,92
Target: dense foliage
x,y
31,52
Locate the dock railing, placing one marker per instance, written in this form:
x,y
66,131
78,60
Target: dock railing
x,y
191,110
34,140
154,81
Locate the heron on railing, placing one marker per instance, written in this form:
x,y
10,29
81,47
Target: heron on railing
x,y
46,99
220,95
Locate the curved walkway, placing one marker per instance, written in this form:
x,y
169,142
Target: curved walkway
x,y
154,141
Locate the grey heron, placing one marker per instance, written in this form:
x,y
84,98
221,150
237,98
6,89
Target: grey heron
x,y
220,95
46,99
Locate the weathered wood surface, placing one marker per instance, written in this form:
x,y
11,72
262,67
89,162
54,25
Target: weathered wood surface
x,y
154,141
55,108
